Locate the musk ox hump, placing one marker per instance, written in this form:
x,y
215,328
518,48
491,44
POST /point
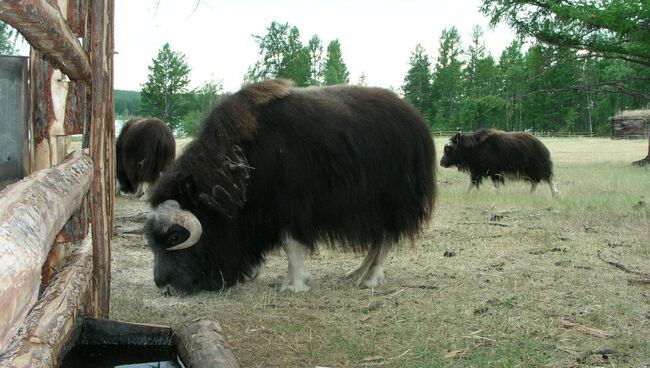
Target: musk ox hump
x,y
476,139
262,93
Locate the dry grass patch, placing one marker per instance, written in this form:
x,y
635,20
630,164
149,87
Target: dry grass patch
x,y
489,284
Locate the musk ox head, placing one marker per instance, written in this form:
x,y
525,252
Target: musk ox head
x,y
191,238
460,147
453,152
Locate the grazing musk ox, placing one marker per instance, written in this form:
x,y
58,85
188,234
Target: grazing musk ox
x,y
144,148
274,165
496,154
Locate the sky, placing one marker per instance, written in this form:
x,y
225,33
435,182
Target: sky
x,y
377,37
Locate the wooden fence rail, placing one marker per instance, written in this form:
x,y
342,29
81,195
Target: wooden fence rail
x,y
548,134
32,212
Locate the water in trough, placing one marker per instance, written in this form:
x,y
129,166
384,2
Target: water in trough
x,y
112,356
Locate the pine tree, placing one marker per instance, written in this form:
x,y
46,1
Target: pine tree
x,y
315,51
417,83
336,72
513,84
284,56
605,29
295,63
162,94
447,78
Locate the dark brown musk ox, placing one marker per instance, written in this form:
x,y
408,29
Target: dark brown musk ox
x,y
144,148
498,155
278,166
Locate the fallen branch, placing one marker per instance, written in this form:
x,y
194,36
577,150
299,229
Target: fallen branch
x,y
638,281
484,223
585,330
623,268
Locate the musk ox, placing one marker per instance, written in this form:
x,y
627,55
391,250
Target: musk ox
x,y
144,148
278,166
496,154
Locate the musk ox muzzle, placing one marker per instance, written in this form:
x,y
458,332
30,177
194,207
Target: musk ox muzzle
x,y
183,229
446,161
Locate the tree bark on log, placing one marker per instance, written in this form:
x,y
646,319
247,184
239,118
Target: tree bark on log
x,y
46,29
32,213
200,344
52,325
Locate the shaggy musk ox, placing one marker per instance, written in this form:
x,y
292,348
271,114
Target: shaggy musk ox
x,y
144,148
274,165
496,154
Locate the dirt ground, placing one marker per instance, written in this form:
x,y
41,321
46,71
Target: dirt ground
x,y
497,280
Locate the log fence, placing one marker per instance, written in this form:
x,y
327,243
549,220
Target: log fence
x,y
60,217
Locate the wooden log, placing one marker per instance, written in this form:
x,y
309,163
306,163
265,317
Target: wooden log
x,y
32,212
45,28
200,343
52,326
102,140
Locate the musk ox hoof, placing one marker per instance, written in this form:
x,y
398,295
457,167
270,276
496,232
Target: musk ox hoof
x,y
296,284
371,281
168,291
293,288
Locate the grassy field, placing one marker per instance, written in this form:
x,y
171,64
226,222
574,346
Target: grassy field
x,y
498,280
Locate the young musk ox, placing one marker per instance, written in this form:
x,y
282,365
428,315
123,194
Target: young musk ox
x,y
496,154
278,166
144,148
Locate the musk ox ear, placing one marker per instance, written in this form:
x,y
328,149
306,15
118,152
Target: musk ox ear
x,y
455,140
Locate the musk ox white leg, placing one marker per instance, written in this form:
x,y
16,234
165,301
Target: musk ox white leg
x,y
554,190
471,185
374,277
497,185
360,270
297,275
533,187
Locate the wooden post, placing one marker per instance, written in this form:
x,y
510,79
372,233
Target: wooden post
x,y
101,143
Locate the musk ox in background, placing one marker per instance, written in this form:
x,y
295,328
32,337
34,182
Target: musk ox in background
x,y
496,154
278,166
144,148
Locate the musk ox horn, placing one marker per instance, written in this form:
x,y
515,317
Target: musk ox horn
x,y
170,212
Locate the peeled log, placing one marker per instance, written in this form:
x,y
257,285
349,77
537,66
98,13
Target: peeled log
x,y
200,344
53,322
32,212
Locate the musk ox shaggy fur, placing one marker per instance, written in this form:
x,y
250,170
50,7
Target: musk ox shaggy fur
x,y
497,155
144,148
279,166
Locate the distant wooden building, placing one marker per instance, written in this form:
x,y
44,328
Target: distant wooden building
x,y
631,124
